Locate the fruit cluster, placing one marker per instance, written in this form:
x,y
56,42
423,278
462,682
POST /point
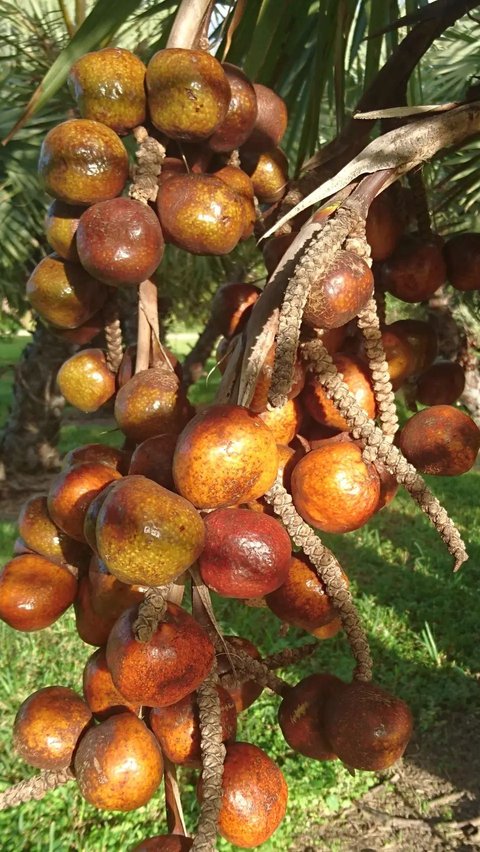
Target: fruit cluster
x,y
120,531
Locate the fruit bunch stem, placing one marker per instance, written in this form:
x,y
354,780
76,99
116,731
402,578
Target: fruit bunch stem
x,y
34,788
113,334
369,323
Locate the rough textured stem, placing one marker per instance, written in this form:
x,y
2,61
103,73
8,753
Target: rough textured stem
x,y
377,445
113,334
422,213
150,155
289,656
150,613
213,756
369,323
381,305
34,788
255,670
329,571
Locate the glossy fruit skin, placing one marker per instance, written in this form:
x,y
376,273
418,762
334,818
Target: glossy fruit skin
x,y
285,421
61,227
100,693
231,305
301,600
177,727
388,485
34,592
63,293
42,536
399,355
300,716
48,726
421,337
108,86
334,490
118,459
246,554
162,671
85,333
254,797
243,692
240,183
110,597
164,843
355,375
271,121
153,458
238,123
289,420
147,534
225,455
268,172
151,404
415,270
441,440
366,726
462,255
384,227
71,492
82,162
337,297
120,241
86,381
118,764
200,214
188,93
441,384
92,628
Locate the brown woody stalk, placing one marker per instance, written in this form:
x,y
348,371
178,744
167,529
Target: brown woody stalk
x,y
113,334
369,324
150,612
34,788
256,670
377,445
329,571
290,656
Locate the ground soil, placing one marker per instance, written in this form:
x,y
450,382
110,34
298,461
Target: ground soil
x,y
428,802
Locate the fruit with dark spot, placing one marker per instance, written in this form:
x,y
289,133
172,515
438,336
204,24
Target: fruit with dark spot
x,y
271,122
108,86
302,600
241,184
300,715
268,172
246,554
238,123
64,293
82,162
415,269
384,227
61,227
441,440
100,692
162,671
42,536
334,489
201,214
120,241
462,254
86,381
188,93
243,691
72,491
177,727
421,337
225,455
153,458
231,306
118,764
48,726
337,297
34,592
367,727
441,384
146,534
356,376
151,403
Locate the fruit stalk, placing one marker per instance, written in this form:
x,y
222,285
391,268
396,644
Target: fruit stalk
x,y
34,788
113,334
150,612
173,802
369,323
289,656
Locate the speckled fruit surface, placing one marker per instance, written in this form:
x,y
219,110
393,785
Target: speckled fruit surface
x,y
61,227
271,122
441,384
441,440
300,716
48,726
43,536
86,381
268,172
151,403
415,270
337,297
356,376
64,293
72,491
241,115
301,600
153,458
34,592
99,690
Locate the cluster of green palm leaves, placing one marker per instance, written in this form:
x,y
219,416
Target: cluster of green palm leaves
x,y
319,55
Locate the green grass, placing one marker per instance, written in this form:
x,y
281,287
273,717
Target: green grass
x,y
422,624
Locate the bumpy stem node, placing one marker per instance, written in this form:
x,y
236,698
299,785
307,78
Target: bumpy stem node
x,y
113,334
34,788
150,612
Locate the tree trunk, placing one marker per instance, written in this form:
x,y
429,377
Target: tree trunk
x,y
29,438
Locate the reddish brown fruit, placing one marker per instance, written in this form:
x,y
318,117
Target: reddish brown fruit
x,y
101,453
63,293
42,536
162,671
238,123
441,440
110,597
85,333
328,630
146,534
118,764
150,404
388,485
243,692
226,455
72,491
271,121
284,421
421,337
60,229
301,600
153,458
462,254
259,400
415,270
366,726
188,93
337,297
86,381
120,241
100,692
177,727
399,355
356,377
164,843
334,490
231,306
92,628
300,715
200,214
254,797
34,592
246,554
82,162
384,227
268,172
48,726
441,384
